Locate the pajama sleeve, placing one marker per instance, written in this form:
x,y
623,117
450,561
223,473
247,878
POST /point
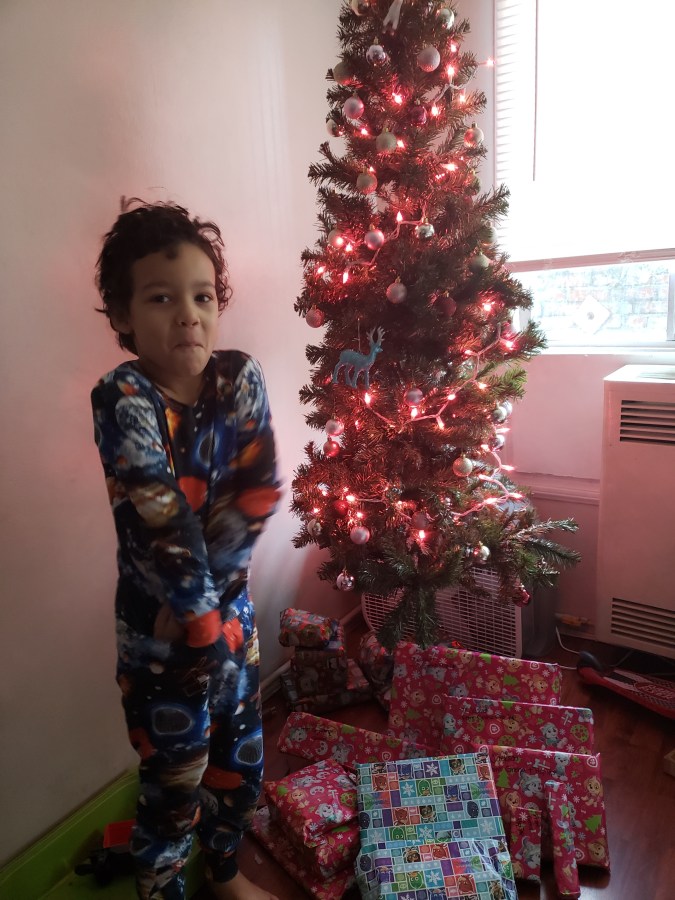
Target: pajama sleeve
x,y
164,535
257,490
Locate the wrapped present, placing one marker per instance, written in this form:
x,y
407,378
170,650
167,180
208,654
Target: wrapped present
x,y
332,852
314,738
357,690
525,843
469,722
273,838
320,671
477,869
299,628
313,800
377,663
562,841
520,776
424,677
406,805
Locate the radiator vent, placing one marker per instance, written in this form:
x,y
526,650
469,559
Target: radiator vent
x,y
647,422
649,624
488,625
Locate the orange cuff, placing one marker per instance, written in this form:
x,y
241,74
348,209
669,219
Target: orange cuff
x,y
204,630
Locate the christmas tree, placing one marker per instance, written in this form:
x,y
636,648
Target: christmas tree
x,y
414,378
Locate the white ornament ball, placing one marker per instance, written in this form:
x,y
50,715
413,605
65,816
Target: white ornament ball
x,y
376,54
342,73
425,231
499,414
483,553
446,17
397,292
498,441
360,534
360,7
428,59
374,239
353,107
414,397
508,406
334,427
473,137
333,128
386,142
336,238
315,318
479,263
314,528
462,466
345,581
366,182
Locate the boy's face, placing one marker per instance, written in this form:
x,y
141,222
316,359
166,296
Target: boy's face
x,y
173,314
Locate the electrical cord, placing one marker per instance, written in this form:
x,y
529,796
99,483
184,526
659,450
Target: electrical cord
x,y
576,653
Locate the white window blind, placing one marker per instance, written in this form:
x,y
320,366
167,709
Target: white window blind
x,y
585,128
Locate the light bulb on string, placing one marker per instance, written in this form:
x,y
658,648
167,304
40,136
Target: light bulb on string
x,y
413,412
450,72
435,110
367,398
345,276
400,144
397,98
399,217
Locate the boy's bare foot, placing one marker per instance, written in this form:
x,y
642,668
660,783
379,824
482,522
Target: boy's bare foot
x,y
239,888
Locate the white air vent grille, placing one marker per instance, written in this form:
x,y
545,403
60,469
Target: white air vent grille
x,y
486,625
647,422
648,624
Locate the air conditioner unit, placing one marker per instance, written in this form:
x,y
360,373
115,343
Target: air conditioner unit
x,y
483,624
636,529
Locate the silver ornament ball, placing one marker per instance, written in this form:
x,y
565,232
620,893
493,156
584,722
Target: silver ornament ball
x,y
334,427
386,142
473,137
366,182
414,397
397,292
345,581
360,7
359,534
479,263
314,527
336,238
462,466
374,239
376,54
342,73
425,231
353,107
428,59
446,17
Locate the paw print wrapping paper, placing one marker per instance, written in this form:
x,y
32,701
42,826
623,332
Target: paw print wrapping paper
x,y
315,738
469,722
313,800
273,838
408,807
423,678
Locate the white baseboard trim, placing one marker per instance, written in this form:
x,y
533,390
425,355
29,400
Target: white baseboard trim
x,y
271,684
560,487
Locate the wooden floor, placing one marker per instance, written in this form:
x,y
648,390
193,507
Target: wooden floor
x,y
639,796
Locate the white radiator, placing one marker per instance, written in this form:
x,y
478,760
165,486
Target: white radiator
x,y
636,530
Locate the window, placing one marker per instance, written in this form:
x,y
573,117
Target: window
x,y
585,138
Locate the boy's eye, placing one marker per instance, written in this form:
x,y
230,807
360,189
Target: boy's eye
x,y
203,298
160,298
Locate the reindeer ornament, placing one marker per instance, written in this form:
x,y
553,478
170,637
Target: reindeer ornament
x,y
355,363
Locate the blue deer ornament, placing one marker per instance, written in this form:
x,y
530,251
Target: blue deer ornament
x,y
355,363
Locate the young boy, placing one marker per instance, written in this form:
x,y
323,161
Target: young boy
x,y
186,443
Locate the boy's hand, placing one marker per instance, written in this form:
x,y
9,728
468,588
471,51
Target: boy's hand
x,y
167,627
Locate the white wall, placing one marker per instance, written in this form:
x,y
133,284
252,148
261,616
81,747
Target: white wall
x,y
220,106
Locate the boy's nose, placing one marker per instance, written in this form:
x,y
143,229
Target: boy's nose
x,y
187,313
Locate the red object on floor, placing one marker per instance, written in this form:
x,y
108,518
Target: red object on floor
x,y
656,694
116,834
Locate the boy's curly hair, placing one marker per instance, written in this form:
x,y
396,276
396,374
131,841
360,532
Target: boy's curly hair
x,y
145,229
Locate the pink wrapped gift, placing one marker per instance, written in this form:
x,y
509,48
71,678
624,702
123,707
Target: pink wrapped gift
x,y
333,851
299,628
313,800
356,690
313,738
562,840
274,840
470,721
423,678
525,843
520,776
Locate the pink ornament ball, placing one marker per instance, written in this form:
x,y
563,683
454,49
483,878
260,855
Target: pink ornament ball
x,y
374,239
331,448
473,137
353,107
315,318
341,507
334,427
428,59
359,534
523,597
397,292
366,182
414,397
385,142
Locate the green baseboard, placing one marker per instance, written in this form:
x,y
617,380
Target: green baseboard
x,y
45,871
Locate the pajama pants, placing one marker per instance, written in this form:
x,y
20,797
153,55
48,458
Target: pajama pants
x,y
197,730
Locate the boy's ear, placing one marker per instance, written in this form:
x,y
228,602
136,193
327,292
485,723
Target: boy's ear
x,y
121,323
